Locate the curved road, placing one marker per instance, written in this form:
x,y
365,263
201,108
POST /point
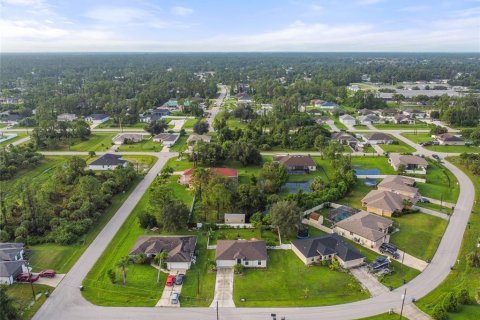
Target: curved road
x,y
66,302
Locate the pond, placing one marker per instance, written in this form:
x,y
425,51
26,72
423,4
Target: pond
x,y
367,172
294,187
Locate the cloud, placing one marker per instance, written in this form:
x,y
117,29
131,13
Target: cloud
x,y
368,2
416,8
181,11
109,16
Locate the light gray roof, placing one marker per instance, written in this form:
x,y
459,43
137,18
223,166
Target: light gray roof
x,y
397,185
407,159
366,225
10,268
378,136
9,254
241,249
10,245
384,200
167,136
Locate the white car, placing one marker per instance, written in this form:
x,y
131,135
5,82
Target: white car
x,y
174,298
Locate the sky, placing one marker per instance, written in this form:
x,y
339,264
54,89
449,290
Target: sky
x,y
239,25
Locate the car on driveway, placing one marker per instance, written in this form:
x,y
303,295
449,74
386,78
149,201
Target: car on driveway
x,y
170,280
174,298
390,249
380,263
179,279
424,200
47,273
435,156
27,277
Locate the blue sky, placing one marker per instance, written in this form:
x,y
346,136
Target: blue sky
x,y
246,25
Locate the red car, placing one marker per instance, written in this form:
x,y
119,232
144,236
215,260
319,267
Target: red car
x,y
27,277
170,280
47,273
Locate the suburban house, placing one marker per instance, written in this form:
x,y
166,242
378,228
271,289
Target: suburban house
x,y
344,138
12,119
327,247
234,218
180,249
12,262
68,117
186,176
403,119
378,138
194,138
167,139
364,112
447,139
348,120
123,138
370,230
265,108
244,97
108,162
154,115
415,113
328,105
411,164
369,119
97,118
297,163
400,185
383,203
248,253
171,104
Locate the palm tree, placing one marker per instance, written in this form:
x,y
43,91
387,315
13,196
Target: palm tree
x,y
123,264
160,258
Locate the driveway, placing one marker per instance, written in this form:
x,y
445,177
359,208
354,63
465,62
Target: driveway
x,y
332,126
167,293
224,289
369,281
52,282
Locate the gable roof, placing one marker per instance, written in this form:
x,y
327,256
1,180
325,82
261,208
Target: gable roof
x,y
179,248
11,245
407,159
396,184
448,137
347,117
326,245
10,268
167,136
366,225
295,160
241,249
9,254
98,116
109,159
399,179
384,200
378,136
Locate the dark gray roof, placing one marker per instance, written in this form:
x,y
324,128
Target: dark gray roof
x,y
9,254
326,245
10,268
241,249
295,160
98,116
179,248
109,159
378,136
167,136
10,245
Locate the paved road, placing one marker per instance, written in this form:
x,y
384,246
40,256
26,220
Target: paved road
x,y
218,104
66,301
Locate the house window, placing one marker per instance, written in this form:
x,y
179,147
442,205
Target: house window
x,y
351,233
259,262
246,263
239,261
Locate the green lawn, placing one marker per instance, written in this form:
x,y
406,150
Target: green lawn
x,y
236,124
433,206
377,162
98,141
147,145
356,194
392,126
189,123
22,293
286,280
110,124
462,276
141,288
385,316
20,135
419,234
339,124
141,163
401,147
180,145
440,183
424,137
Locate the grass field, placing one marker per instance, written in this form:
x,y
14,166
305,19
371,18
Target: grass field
x,y
20,135
377,162
189,123
147,145
462,276
401,147
440,184
62,257
385,316
98,141
181,144
433,206
424,137
141,163
419,234
278,284
110,124
356,194
393,126
22,293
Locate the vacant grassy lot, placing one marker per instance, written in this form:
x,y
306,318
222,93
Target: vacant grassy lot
x,y
377,162
393,126
141,163
62,257
180,145
462,276
440,183
147,145
22,293
419,234
110,124
278,284
424,137
189,125
98,141
401,147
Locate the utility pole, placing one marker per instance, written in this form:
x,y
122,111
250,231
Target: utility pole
x,y
198,282
217,310
403,302
31,283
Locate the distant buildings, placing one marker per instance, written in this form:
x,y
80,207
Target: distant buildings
x,y
122,138
108,162
447,139
67,117
378,138
167,139
297,163
12,262
348,120
97,118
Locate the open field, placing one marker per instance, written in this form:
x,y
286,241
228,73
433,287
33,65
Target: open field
x,y
440,184
98,141
180,145
22,293
147,145
462,276
189,123
399,147
110,124
393,126
419,234
278,284
424,137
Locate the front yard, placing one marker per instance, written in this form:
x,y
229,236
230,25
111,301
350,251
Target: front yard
x,y
287,282
424,137
98,141
147,145
398,147
440,184
23,296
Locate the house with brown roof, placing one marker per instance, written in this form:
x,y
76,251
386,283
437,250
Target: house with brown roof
x,y
400,185
297,163
383,203
447,139
378,138
167,139
249,253
365,228
412,164
180,249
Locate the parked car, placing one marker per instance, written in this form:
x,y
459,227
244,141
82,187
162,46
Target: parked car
x,y
170,280
27,277
174,298
380,263
435,143
386,245
47,273
179,279
424,200
383,272
435,156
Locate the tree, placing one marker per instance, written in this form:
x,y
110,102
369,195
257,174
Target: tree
x,y
321,142
155,127
436,130
248,199
8,310
160,258
200,127
91,154
450,302
173,216
112,275
123,265
398,98
286,217
439,312
244,152
273,176
147,220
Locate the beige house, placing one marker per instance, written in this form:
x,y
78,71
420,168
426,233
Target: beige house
x,y
194,138
447,139
400,185
121,138
234,218
383,203
368,229
297,163
325,248
412,164
249,253
167,139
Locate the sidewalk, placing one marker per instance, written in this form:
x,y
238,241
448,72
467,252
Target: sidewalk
x,y
369,281
434,213
378,149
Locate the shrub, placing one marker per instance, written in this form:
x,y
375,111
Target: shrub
x,y
147,220
238,268
112,275
141,258
463,297
439,313
450,303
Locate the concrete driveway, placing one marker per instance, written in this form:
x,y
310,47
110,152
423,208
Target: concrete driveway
x,y
224,289
52,282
